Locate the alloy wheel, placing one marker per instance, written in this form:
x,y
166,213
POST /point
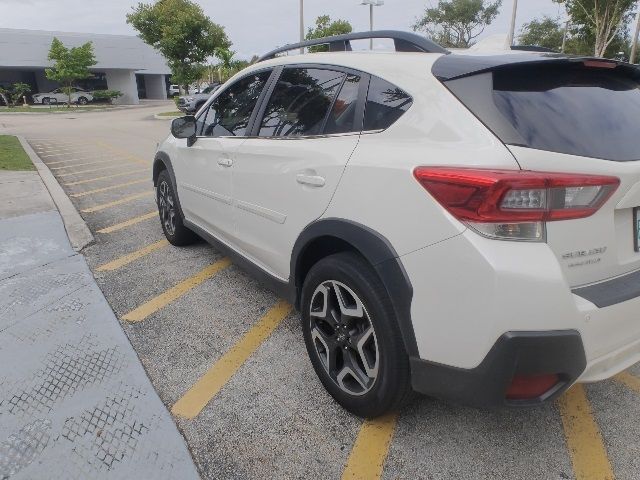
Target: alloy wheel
x,y
166,206
344,337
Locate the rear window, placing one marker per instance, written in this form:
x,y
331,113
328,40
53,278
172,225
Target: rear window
x,y
572,109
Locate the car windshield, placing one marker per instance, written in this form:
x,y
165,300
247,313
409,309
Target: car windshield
x,y
210,89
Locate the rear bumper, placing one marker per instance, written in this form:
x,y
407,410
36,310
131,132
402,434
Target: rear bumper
x,y
468,291
524,353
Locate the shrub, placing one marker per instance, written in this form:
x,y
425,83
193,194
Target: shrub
x,y
107,95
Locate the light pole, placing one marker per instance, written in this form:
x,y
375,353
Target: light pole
x,y
372,3
302,24
512,29
564,35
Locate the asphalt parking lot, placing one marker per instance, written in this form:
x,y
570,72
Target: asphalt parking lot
x,y
227,356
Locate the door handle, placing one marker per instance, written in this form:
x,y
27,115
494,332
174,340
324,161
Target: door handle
x,y
225,162
313,180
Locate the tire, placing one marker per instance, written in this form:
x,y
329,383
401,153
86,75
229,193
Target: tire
x,y
46,101
170,219
83,100
356,338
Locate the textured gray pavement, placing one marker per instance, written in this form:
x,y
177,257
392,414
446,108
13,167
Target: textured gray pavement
x,y
75,401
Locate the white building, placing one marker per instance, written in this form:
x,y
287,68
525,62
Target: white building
x,y
125,63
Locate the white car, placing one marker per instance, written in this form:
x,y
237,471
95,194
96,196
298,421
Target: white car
x,y
59,96
174,90
464,225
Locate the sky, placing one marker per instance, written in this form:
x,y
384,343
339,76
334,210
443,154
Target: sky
x,y
254,26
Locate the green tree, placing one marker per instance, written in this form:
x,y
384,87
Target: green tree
x,y
181,31
228,65
69,65
600,23
545,32
457,23
325,27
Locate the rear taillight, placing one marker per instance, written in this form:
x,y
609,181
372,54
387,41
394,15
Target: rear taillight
x,y
515,204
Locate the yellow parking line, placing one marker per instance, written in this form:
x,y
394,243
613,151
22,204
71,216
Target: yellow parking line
x,y
91,170
120,201
123,153
197,397
370,449
128,223
130,257
112,187
586,447
58,162
630,381
82,164
164,299
104,177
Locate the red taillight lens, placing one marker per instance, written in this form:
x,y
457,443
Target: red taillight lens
x,y
525,387
501,196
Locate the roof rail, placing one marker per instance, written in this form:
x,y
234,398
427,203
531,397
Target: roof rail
x,y
404,42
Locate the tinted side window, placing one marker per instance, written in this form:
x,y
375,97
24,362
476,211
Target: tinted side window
x,y
342,118
300,102
229,114
385,104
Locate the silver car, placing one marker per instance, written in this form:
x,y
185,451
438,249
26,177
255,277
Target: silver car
x,y
192,103
78,96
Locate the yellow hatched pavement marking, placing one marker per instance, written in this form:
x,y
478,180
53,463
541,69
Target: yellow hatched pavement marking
x,y
80,159
124,153
91,170
164,299
122,200
133,256
104,177
370,449
128,223
112,187
81,164
586,447
200,394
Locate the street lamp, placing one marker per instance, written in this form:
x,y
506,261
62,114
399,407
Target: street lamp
x,y
301,24
372,3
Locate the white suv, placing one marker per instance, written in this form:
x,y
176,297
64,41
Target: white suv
x,y
464,225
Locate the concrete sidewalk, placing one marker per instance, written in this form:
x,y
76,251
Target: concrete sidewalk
x,y
75,401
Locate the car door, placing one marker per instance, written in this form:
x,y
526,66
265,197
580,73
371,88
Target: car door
x,y
204,168
286,172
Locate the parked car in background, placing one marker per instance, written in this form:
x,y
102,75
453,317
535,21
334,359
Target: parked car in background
x,y
78,96
192,103
174,90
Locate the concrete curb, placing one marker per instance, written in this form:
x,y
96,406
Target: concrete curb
x,y
79,234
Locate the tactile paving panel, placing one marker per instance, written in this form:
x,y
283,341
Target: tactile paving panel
x,y
75,402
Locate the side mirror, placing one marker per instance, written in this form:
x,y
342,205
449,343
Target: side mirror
x,y
184,127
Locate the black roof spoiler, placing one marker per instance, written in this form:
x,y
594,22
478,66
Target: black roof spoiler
x,y
403,41
457,66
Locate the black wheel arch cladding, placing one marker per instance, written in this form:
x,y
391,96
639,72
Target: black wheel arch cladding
x,y
378,252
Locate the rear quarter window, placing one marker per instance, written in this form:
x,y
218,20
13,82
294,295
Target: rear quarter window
x,y
385,104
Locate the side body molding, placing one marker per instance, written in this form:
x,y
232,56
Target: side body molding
x,y
377,250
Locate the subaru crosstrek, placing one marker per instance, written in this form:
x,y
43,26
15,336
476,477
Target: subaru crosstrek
x,y
465,225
